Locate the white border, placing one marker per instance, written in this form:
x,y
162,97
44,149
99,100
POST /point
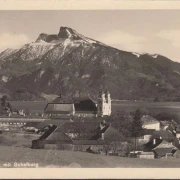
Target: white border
x,y
87,4
106,173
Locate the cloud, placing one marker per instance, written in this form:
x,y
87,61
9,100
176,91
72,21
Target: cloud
x,y
8,40
123,40
172,35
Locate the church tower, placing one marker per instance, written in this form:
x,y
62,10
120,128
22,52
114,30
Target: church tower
x,y
108,102
104,104
101,101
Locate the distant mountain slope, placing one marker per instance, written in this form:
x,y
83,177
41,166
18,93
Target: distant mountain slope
x,y
72,64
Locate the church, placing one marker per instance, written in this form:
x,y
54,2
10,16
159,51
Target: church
x,y
80,106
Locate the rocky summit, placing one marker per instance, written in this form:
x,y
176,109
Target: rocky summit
x,y
74,65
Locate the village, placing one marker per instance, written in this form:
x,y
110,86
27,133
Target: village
x,y
87,125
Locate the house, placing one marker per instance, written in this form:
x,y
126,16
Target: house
x,y
164,125
174,128
160,147
150,123
176,153
146,135
81,136
80,106
145,155
60,106
177,131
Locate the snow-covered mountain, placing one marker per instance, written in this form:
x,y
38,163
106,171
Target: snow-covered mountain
x,y
72,64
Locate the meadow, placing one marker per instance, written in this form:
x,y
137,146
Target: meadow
x,y
16,148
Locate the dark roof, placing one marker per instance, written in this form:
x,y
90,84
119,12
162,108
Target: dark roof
x,y
57,137
79,99
112,134
58,122
150,145
160,143
59,108
63,100
84,104
33,107
163,151
48,132
164,144
166,135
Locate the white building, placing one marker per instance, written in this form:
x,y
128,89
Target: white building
x,y
150,123
104,104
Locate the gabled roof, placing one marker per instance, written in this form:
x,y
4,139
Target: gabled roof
x,y
78,99
52,108
57,137
165,135
48,132
163,151
84,104
146,119
164,144
165,123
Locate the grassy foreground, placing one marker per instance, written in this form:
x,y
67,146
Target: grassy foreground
x,y
56,158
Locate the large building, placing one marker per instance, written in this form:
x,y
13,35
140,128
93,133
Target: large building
x,y
80,106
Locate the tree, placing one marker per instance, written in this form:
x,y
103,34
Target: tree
x,y
3,101
121,121
136,126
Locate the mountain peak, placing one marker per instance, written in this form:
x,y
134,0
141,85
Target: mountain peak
x,y
66,32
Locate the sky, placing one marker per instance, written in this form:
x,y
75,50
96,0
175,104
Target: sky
x,y
144,31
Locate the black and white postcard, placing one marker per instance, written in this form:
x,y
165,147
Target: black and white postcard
x,y
90,85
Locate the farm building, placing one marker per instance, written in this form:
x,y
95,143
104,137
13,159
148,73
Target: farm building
x,y
80,106
160,147
81,136
60,106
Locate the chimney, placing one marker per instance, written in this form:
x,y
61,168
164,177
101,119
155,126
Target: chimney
x,y
102,136
154,141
